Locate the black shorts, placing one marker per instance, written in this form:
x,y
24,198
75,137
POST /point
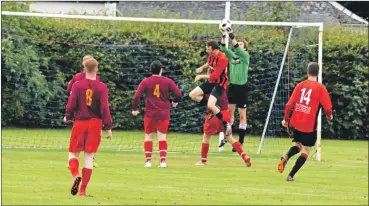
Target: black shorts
x,y
237,94
212,88
306,139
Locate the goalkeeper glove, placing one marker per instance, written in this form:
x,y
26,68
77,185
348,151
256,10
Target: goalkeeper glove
x,y
230,32
231,35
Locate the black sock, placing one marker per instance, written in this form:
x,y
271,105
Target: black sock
x,y
241,135
293,150
299,162
203,101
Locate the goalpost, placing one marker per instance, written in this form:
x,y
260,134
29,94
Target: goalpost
x,y
244,27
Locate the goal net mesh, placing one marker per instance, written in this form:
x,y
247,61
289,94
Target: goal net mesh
x,y
40,55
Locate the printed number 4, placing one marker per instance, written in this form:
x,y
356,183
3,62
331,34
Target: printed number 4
x,y
157,91
305,96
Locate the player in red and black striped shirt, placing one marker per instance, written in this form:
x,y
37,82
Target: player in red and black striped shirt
x,y
305,101
218,82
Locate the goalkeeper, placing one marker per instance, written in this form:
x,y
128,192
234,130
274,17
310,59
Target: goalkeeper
x,y
238,68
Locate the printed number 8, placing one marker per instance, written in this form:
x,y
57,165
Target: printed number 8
x,y
157,91
89,94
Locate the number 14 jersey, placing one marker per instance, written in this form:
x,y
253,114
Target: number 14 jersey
x,y
158,90
305,101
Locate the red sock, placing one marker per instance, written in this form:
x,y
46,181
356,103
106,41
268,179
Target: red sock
x,y
74,167
163,146
204,151
148,150
86,175
239,149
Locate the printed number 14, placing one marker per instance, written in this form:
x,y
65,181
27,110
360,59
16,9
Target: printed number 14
x,y
305,96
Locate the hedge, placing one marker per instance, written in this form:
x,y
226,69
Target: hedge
x,y
36,67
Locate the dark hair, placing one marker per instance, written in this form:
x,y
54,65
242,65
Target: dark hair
x,y
155,67
313,69
213,44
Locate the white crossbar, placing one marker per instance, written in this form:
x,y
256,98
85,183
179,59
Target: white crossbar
x,y
185,21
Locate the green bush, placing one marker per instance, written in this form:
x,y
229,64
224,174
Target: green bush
x,y
39,57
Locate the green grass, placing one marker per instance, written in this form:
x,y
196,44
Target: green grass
x,y
39,176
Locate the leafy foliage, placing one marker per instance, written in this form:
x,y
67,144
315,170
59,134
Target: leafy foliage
x,y
39,57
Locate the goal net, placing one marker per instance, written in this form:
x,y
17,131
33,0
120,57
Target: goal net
x,y
42,52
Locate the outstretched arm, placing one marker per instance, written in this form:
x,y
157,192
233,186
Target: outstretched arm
x,y
238,51
224,49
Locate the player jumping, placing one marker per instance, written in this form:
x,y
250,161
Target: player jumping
x,y
157,109
88,105
239,60
305,101
218,82
213,126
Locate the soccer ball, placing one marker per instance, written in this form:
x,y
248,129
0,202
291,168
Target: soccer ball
x,y
225,26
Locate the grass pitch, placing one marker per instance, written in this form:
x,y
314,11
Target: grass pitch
x,y
39,176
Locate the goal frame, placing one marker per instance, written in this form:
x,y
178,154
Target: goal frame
x,y
191,21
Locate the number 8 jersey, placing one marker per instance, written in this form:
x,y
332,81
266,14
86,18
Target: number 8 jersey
x,y
89,99
305,101
158,90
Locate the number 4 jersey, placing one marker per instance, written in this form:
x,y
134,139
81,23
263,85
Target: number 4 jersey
x,y
305,101
158,90
89,99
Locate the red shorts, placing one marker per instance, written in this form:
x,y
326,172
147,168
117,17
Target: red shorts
x,y
214,125
86,135
151,124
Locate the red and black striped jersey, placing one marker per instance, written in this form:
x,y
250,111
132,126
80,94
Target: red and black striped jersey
x,y
218,69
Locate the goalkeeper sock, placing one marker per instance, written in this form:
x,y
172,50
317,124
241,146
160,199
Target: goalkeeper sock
x,y
299,163
74,167
148,150
203,101
204,151
239,149
293,150
163,146
242,133
86,176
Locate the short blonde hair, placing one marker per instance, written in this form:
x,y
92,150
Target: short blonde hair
x,y
91,65
86,58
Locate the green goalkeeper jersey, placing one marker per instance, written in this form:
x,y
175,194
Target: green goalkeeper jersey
x,y
238,64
